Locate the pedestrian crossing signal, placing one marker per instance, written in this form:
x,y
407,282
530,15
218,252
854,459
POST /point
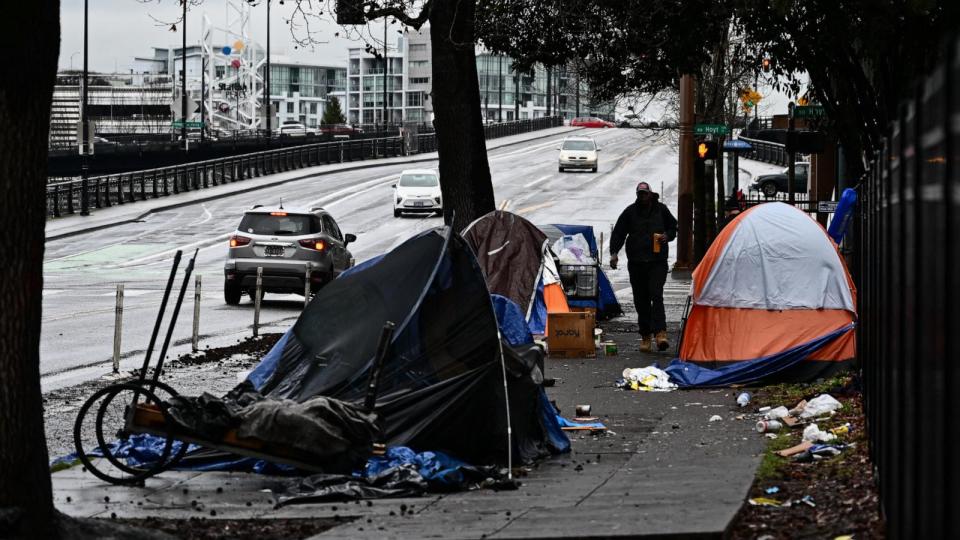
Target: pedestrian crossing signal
x,y
707,150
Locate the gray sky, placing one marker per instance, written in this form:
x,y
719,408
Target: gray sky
x,y
122,29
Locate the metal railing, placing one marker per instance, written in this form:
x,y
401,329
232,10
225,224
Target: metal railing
x,y
766,151
905,255
124,188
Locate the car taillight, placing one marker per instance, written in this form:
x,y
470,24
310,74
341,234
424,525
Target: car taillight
x,y
313,243
237,240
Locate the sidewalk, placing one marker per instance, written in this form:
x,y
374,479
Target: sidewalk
x,y
118,214
664,470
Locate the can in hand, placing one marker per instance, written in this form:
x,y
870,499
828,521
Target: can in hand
x,y
656,242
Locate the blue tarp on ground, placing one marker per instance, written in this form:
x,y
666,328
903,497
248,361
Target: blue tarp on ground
x,y
690,375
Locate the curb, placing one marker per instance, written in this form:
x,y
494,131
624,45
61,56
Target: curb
x,y
171,206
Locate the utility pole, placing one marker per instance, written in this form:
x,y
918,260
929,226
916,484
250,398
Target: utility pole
x,y
203,97
791,155
84,127
577,92
516,94
183,80
685,188
548,90
385,66
500,91
268,103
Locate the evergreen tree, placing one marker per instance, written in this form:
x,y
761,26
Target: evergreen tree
x,y
332,114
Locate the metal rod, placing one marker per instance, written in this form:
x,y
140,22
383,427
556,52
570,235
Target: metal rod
x,y
256,302
306,288
266,92
385,338
183,78
163,308
173,318
196,314
84,164
117,328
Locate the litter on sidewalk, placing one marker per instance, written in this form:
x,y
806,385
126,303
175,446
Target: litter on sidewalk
x,y
647,379
812,433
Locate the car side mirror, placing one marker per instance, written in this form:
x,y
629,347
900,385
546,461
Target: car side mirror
x,y
598,149
348,238
394,186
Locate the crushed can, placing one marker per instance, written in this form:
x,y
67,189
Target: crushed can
x,y
610,348
766,426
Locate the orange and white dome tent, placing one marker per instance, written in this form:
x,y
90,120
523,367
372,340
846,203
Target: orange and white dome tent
x,y
772,301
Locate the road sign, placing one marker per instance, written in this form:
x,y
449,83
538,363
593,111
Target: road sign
x,y
827,207
710,129
808,111
736,145
178,124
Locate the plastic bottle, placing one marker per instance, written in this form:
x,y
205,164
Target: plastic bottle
x,y
743,399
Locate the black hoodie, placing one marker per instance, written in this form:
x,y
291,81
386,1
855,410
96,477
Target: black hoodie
x,y
636,226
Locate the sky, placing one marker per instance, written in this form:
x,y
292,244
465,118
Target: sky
x,y
122,29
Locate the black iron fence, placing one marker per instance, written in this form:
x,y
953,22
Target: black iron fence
x,y
908,241
766,151
116,189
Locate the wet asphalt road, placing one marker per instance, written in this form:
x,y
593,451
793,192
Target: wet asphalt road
x,y
81,272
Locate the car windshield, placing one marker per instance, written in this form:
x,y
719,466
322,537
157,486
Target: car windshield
x,y
277,225
419,180
578,145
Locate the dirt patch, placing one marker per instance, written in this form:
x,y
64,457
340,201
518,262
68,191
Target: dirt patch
x,y
841,489
237,529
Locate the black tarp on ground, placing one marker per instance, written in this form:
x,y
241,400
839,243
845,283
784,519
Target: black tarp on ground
x,y
442,385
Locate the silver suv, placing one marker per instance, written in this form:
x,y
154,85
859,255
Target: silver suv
x,y
286,243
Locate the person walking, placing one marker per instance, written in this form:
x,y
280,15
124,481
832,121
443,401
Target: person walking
x,y
646,227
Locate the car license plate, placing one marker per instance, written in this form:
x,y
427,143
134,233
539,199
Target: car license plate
x,y
419,203
274,251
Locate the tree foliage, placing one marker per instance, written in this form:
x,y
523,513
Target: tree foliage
x,y
332,114
862,56
624,47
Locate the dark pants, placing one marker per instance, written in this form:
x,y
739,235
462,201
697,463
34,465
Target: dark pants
x,y
647,279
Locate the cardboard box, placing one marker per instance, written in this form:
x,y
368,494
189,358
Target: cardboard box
x,y
584,310
571,334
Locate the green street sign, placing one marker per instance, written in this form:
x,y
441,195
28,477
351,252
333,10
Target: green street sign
x,y
178,124
808,111
710,129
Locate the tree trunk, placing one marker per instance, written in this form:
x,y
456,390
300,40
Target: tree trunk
x,y
31,44
464,171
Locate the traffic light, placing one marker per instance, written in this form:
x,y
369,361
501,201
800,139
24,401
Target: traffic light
x,y
706,150
767,64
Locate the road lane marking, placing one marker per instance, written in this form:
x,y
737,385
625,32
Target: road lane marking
x,y
538,180
522,211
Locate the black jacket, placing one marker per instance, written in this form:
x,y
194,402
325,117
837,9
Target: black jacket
x,y
636,226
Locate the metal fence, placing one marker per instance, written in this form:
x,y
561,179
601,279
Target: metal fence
x,y
116,189
908,240
767,151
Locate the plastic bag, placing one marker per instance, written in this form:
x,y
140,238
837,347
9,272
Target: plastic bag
x,y
820,405
776,414
648,379
573,249
812,433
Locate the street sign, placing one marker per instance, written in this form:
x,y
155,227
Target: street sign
x,y
736,145
808,111
710,129
827,207
178,124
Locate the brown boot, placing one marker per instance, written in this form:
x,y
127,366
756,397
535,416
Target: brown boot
x,y
646,342
662,343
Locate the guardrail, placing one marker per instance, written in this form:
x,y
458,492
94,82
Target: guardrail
x,y
117,189
766,151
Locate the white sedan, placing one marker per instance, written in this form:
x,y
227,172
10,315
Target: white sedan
x,y
417,191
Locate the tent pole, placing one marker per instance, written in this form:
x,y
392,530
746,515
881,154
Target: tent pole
x,y
506,399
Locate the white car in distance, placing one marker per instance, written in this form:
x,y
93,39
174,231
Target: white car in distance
x,y
417,191
578,153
